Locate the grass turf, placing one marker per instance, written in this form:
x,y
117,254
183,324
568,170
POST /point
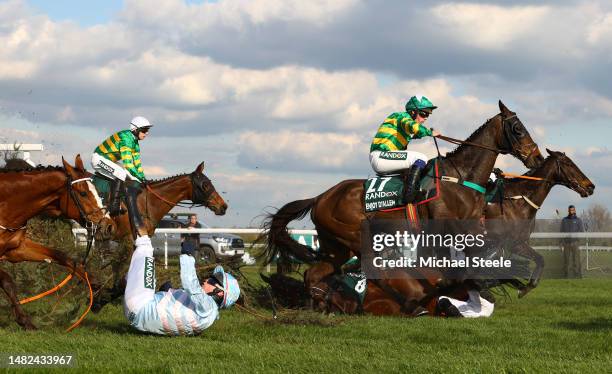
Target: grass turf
x,y
562,326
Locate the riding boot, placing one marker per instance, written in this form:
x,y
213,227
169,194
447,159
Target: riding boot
x,y
138,225
114,198
412,181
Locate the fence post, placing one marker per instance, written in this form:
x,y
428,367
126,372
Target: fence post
x,y
165,251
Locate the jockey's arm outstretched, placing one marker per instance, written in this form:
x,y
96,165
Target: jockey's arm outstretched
x,y
186,311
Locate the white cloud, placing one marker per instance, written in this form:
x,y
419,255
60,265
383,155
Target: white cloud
x,y
488,26
292,85
295,150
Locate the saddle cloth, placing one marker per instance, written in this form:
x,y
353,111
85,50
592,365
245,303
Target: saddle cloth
x,y
385,192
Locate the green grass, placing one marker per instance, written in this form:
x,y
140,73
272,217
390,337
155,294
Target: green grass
x,y
563,326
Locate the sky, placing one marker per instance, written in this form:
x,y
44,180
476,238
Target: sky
x,y
281,99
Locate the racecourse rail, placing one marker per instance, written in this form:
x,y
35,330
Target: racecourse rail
x,y
534,235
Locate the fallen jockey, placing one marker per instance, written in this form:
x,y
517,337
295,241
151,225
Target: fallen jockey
x,y
388,152
186,311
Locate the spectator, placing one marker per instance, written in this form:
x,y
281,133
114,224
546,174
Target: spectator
x,y
571,252
194,239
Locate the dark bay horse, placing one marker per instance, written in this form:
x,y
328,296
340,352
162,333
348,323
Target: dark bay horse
x,y
522,199
156,200
399,294
338,213
27,193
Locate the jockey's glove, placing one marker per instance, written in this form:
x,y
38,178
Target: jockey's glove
x,y
188,248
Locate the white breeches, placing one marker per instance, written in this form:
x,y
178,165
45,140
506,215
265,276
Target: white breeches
x,y
140,288
109,169
391,162
474,307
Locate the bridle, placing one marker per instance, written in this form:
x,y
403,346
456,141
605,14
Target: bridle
x,y
512,132
565,179
85,216
201,191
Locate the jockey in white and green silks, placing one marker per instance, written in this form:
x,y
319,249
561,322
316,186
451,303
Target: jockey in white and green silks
x,y
118,158
388,152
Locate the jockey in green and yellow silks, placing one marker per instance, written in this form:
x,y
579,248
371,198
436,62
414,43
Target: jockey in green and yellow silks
x,y
118,158
388,152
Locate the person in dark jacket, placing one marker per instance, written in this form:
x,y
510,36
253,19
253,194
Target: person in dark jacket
x,y
571,251
194,239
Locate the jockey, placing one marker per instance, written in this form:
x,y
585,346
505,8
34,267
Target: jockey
x,y
388,152
118,158
184,311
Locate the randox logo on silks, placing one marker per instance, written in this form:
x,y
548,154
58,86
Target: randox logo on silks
x,y
149,273
105,167
393,155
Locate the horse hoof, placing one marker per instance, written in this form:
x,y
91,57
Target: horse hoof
x,y
523,292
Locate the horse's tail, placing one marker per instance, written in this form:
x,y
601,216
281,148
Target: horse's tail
x,y
277,238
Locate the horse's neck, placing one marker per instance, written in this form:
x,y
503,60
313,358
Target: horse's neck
x,y
172,190
542,189
474,163
537,191
43,190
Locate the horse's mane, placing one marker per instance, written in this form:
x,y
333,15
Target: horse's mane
x,y
152,181
24,169
471,137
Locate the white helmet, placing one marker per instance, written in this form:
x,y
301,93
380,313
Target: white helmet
x,y
140,123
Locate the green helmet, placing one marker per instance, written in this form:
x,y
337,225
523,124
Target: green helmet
x,y
418,104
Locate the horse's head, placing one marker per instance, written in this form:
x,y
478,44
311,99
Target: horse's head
x,y
81,201
569,175
203,192
516,140
327,298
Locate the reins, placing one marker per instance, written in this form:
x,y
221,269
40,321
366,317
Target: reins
x,y
460,142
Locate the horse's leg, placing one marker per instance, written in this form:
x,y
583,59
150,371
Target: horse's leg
x,y
526,250
34,252
7,284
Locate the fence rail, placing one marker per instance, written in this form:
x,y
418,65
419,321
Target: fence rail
x,y
534,235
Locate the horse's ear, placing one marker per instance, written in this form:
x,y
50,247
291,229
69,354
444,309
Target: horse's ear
x,y
200,168
503,108
78,163
67,166
552,153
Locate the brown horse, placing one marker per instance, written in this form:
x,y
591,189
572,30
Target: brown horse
x,y
329,296
522,199
339,212
156,200
27,193
401,293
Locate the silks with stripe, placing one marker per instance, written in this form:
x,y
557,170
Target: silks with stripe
x,y
123,146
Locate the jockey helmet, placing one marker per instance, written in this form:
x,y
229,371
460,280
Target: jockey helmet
x,y
140,123
229,285
419,103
